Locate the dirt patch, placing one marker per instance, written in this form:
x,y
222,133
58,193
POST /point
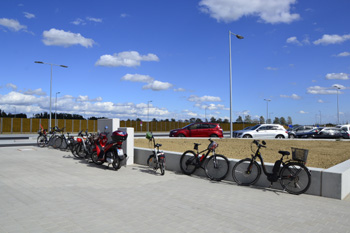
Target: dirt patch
x,y
322,153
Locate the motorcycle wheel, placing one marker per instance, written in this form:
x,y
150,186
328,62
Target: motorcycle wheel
x,y
116,162
94,158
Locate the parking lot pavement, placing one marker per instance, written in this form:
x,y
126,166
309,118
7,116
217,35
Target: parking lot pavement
x,y
45,190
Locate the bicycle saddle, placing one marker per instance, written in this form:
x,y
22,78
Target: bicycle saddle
x,y
158,145
284,152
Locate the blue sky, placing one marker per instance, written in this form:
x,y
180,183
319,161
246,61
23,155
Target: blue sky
x,y
123,54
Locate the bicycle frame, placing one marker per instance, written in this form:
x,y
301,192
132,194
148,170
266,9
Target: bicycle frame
x,y
201,160
258,155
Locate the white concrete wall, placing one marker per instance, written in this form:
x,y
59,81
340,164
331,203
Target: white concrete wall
x,y
112,124
336,181
333,182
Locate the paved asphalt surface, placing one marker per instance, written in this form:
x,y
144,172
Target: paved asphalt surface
x,y
47,190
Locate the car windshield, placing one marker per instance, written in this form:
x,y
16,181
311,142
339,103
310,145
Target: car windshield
x,y
255,127
186,126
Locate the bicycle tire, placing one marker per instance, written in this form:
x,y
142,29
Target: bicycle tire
x,y
295,178
79,149
240,175
151,162
116,162
57,143
216,167
188,162
41,141
162,167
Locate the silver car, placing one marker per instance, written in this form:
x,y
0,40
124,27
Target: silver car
x,y
263,131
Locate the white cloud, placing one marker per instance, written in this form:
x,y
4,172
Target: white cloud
x,y
320,101
268,11
343,54
124,15
332,39
341,76
293,40
157,86
78,21
317,90
180,89
303,112
65,39
85,98
28,15
338,86
271,68
137,78
128,59
11,86
293,96
96,20
12,24
38,91
194,98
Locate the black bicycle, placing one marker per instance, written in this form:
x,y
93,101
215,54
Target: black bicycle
x,y
294,176
216,166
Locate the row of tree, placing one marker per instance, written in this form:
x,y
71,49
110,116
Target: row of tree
x,y
247,118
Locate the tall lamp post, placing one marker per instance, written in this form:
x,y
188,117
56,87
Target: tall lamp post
x,y
267,109
40,62
56,109
229,37
148,115
338,87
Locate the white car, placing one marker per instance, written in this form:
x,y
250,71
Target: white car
x,y
345,128
263,131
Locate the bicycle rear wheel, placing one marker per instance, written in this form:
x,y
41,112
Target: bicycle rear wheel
x,y
246,172
57,143
188,162
217,167
295,178
162,167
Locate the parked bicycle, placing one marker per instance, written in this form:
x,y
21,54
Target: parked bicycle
x,y
45,138
294,176
157,159
216,166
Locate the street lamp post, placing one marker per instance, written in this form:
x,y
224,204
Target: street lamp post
x,y
40,62
56,109
229,37
148,115
267,109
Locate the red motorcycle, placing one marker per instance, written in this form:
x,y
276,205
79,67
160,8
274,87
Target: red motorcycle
x,y
109,152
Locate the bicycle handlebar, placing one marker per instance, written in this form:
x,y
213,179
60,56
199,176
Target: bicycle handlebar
x,y
257,142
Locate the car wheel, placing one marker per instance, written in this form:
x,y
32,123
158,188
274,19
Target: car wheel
x,y
279,136
292,136
214,136
247,136
181,135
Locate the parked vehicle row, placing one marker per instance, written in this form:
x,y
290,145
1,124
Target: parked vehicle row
x,y
92,147
263,131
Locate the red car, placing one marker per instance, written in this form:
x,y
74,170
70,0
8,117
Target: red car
x,y
198,130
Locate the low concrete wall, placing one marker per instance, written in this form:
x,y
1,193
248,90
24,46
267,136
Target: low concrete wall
x,y
333,182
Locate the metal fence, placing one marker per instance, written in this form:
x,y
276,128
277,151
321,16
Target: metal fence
x,y
24,125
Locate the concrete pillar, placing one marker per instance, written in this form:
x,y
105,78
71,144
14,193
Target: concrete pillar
x,y
128,146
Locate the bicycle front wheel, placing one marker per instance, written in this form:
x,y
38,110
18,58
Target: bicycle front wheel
x,y
295,178
246,172
41,141
188,162
217,167
151,162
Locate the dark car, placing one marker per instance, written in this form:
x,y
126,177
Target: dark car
x,y
295,132
331,132
202,129
328,132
